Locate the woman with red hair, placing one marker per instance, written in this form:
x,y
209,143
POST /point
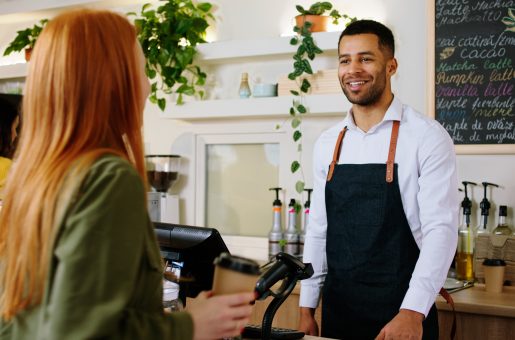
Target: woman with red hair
x,y
78,254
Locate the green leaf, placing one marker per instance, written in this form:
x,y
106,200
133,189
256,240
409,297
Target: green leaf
x,y
180,99
292,111
186,89
151,73
277,126
300,9
298,207
205,6
297,135
295,93
299,187
305,85
295,122
161,102
294,41
295,165
153,98
301,108
307,67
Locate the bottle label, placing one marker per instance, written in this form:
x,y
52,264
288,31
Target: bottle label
x,y
291,248
274,248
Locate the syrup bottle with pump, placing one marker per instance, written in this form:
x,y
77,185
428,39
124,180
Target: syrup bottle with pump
x,y
485,208
306,221
292,235
275,236
465,253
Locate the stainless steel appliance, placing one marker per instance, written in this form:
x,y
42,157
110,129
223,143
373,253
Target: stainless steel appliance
x,y
162,173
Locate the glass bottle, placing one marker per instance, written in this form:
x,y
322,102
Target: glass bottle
x,y
502,228
244,86
465,254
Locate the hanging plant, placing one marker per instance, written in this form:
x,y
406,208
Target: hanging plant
x,y
169,35
306,52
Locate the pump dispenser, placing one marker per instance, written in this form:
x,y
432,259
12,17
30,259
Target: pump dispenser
x,y
485,207
306,221
464,257
292,234
275,235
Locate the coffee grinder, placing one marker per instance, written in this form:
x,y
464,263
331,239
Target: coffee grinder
x,y
162,172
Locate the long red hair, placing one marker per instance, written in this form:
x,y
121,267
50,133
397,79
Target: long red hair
x,y
83,98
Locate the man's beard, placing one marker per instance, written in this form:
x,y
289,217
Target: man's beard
x,y
371,97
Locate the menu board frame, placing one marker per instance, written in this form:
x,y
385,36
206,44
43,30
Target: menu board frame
x,y
460,148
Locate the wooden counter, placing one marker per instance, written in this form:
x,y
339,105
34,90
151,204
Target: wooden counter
x,y
479,314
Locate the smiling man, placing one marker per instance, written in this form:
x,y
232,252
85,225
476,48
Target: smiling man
x,y
383,222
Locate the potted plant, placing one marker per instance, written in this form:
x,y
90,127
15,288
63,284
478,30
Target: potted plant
x,y
315,15
306,52
168,35
26,39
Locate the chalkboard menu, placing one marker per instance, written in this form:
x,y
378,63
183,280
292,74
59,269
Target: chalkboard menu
x,y
475,70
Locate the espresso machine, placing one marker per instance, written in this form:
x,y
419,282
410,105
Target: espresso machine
x,y
162,173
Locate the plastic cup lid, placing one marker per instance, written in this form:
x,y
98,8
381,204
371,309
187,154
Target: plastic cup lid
x,y
494,262
236,263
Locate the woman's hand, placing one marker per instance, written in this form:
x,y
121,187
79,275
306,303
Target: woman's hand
x,y
220,316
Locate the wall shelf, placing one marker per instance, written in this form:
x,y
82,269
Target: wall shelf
x,y
13,71
220,51
319,105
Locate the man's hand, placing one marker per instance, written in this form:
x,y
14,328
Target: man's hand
x,y
407,324
307,323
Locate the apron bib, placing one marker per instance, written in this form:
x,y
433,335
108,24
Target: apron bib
x,y
371,252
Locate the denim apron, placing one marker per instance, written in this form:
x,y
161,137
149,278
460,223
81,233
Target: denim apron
x,y
371,252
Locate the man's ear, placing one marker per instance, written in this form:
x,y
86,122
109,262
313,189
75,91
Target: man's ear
x,y
391,67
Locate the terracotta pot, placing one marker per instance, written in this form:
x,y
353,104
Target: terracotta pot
x,y
319,22
28,52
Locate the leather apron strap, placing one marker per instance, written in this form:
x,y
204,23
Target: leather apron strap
x,y
391,153
336,153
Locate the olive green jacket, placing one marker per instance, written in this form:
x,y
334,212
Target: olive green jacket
x,y
105,279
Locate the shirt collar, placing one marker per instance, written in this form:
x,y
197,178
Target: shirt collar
x,y
394,112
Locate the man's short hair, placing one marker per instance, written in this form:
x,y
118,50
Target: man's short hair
x,y
383,33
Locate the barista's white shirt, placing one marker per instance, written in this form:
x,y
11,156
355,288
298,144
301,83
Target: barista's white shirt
x,y
428,185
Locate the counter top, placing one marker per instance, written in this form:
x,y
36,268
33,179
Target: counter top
x,y
478,301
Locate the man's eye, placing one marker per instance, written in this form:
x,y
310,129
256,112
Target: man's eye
x,y
365,59
344,61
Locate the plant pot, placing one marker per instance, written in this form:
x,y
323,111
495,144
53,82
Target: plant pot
x,y
318,22
28,52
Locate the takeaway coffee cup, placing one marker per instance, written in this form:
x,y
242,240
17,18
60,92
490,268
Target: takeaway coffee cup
x,y
494,274
234,274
